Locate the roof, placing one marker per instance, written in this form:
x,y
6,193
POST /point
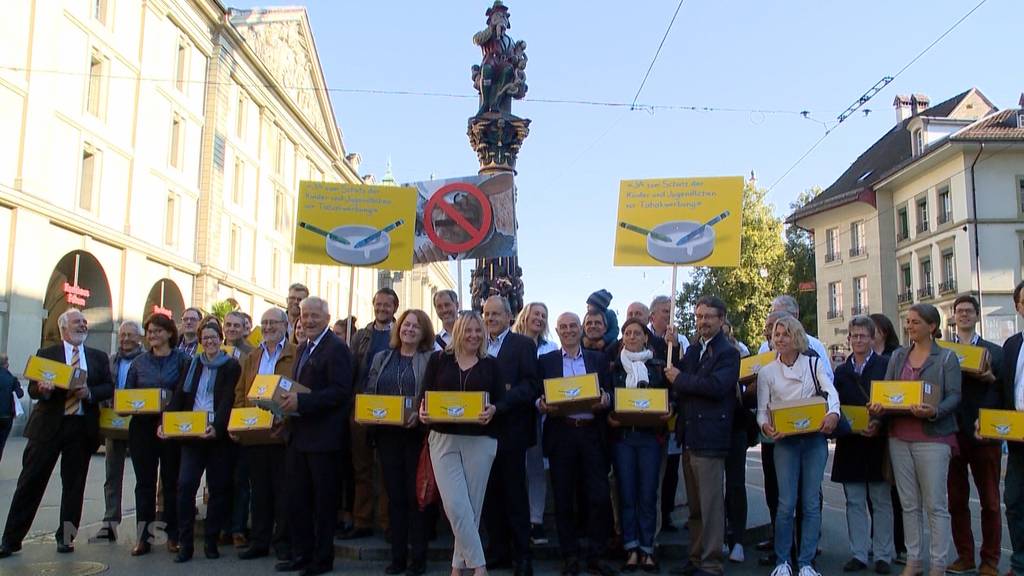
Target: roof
x,y
1001,126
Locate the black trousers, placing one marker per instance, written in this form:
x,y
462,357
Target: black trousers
x,y
269,497
579,473
73,447
398,451
736,489
150,454
669,485
506,512
313,501
5,430
215,458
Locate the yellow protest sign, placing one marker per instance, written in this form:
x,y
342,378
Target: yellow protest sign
x,y
679,221
355,225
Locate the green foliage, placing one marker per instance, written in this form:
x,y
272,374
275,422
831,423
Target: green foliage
x,y
800,251
220,309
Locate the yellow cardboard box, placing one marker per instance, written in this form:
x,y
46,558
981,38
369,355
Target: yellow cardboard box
x,y
1001,424
973,359
57,373
190,424
252,426
266,391
571,394
460,407
750,365
641,406
141,400
113,425
857,416
900,395
227,348
792,417
383,409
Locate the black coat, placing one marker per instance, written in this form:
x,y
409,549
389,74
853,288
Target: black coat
x,y
44,421
859,458
320,425
976,394
223,393
516,411
1011,351
705,393
551,367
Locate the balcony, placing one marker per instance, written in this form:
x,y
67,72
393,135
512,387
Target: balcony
x,y
858,251
831,256
905,297
922,226
901,235
945,217
860,310
835,314
925,293
947,286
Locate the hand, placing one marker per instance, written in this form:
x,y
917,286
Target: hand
x,y
977,429
424,418
277,428
770,432
987,376
670,335
922,411
487,414
82,393
876,410
45,388
828,425
671,372
209,434
289,402
667,417
602,404
160,432
612,421
872,429
234,437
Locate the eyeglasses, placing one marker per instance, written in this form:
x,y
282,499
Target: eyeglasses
x,y
269,323
189,319
705,316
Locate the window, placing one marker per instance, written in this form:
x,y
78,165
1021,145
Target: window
x,y
922,215
94,95
87,186
238,183
275,268
99,11
902,224
176,141
835,300
240,116
282,211
235,248
925,291
279,153
906,284
945,205
860,295
831,244
948,284
1020,192
181,65
171,219
918,142
857,238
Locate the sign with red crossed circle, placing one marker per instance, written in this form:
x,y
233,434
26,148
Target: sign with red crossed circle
x,y
445,200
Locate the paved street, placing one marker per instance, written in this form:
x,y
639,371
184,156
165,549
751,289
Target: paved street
x,y
39,557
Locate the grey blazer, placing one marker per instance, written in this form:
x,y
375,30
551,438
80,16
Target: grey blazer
x,y
419,368
941,368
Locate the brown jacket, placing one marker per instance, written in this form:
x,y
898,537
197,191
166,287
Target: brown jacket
x,y
251,367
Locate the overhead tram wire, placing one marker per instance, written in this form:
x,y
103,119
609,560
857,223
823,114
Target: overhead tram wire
x,y
656,54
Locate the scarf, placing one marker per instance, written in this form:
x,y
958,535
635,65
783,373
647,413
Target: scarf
x,y
211,365
633,364
120,356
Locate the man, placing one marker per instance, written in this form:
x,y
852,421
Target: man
x,y
189,341
297,292
246,325
506,505
661,324
316,434
858,464
704,383
1012,398
599,302
594,327
275,355
983,456
446,305
63,424
575,445
10,392
341,328
786,303
638,311
129,347
366,343
235,333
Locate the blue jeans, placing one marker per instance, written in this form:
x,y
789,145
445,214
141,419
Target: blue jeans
x,y
799,465
637,459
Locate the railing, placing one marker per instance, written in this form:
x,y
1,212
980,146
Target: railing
x,y
905,297
834,314
831,256
945,217
947,286
901,235
925,292
858,251
922,226
860,310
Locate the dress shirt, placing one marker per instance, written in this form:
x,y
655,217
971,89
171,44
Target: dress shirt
x,y
122,372
859,368
68,351
268,360
974,338
445,337
494,345
1018,385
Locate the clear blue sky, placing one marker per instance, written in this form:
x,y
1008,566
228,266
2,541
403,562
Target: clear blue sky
x,y
793,56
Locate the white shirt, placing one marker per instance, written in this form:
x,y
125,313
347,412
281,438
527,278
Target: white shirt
x,y
494,346
546,346
313,343
1018,385
445,337
683,342
68,351
814,344
777,382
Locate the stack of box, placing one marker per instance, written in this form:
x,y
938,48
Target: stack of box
x,y
141,400
266,392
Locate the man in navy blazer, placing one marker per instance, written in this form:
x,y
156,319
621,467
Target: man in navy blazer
x,y
1012,398
62,424
316,436
704,384
506,505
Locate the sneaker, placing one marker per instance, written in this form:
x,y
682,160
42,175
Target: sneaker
x,y
961,566
808,571
537,536
901,558
736,555
882,567
782,570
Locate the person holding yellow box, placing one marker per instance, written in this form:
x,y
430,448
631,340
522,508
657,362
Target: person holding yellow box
x,y
799,459
1011,397
921,443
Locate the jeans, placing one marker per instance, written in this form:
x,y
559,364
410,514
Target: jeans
x,y
921,469
637,459
799,468
1013,496
872,530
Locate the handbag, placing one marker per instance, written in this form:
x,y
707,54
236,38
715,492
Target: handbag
x,y
427,492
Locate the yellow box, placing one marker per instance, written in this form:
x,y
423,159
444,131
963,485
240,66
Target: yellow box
x,y
973,359
641,406
113,425
255,337
141,400
383,409
571,394
750,365
266,391
793,417
190,424
460,407
226,348
900,395
1001,424
857,416
252,426
57,373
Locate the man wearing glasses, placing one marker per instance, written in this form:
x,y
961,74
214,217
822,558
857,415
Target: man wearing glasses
x,y
189,342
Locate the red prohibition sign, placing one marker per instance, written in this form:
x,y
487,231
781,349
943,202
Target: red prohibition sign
x,y
476,235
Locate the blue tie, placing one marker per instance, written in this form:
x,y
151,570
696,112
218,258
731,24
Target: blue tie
x,y
305,356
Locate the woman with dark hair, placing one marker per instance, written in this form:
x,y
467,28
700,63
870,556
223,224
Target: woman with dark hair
x,y
886,340
399,371
208,386
162,366
637,450
921,442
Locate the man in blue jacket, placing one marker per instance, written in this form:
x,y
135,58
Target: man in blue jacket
x,y
704,385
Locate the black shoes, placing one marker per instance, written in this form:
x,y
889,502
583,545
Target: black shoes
x,y
8,549
290,566
417,569
882,567
854,565
395,568
523,568
184,555
357,533
106,534
211,551
65,548
537,536
253,552
601,568
570,567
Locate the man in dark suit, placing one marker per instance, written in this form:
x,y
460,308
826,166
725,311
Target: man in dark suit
x,y
704,384
317,432
63,424
575,446
506,506
1012,398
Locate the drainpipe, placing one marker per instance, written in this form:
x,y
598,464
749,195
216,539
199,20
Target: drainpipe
x,y
977,246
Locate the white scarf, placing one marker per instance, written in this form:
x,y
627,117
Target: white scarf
x,y
633,364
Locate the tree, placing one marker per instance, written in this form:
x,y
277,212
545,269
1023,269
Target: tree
x,y
221,309
800,251
764,272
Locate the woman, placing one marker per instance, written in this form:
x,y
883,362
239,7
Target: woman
x,y
298,332
637,450
462,454
162,366
532,322
399,371
886,339
208,386
799,459
885,343
921,442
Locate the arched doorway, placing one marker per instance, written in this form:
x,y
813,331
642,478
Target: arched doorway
x,y
78,281
164,298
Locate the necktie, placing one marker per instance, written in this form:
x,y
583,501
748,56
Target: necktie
x,y
305,356
71,402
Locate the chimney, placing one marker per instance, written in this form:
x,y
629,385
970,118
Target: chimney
x,y
902,106
919,103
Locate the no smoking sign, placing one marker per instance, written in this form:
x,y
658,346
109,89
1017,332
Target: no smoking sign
x,y
457,218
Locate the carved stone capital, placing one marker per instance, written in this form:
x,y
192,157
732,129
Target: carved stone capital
x,y
496,138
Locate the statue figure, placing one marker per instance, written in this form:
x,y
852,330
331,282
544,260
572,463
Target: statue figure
x,y
501,75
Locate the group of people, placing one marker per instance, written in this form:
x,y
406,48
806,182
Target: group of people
x,y
613,479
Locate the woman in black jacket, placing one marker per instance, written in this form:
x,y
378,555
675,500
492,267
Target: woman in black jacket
x,y
208,386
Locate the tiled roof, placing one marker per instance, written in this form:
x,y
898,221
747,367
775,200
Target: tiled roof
x,y
1001,126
